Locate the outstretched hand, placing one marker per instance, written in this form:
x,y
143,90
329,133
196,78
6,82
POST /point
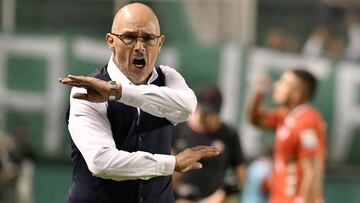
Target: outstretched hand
x,y
97,90
263,83
188,159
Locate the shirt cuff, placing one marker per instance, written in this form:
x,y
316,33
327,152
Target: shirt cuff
x,y
166,164
129,93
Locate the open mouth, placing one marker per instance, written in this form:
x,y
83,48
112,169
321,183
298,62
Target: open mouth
x,y
139,63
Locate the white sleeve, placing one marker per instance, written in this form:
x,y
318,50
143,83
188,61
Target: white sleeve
x,y
174,101
91,132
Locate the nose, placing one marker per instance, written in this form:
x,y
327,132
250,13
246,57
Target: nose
x,y
139,44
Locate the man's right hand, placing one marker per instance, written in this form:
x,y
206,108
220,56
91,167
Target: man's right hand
x,y
263,83
97,90
188,159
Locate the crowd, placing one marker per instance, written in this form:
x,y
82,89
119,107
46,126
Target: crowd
x,y
334,32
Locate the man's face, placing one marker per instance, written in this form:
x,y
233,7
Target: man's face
x,y
210,121
285,88
135,44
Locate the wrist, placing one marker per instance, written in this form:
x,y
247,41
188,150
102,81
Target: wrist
x,y
262,89
112,90
118,91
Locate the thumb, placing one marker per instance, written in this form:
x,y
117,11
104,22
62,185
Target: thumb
x,y
196,165
81,96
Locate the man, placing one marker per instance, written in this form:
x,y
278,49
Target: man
x,y
206,128
122,142
299,150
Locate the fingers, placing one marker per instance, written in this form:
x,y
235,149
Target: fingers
x,y
206,151
78,81
191,166
64,80
263,83
79,78
81,96
100,87
189,158
70,82
196,165
263,78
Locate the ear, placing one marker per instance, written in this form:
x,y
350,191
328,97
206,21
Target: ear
x,y
110,41
161,42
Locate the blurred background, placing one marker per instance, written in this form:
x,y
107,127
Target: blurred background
x,y
226,42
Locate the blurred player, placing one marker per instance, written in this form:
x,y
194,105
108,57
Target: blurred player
x,y
205,127
299,150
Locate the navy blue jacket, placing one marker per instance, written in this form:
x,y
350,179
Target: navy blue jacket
x,y
131,133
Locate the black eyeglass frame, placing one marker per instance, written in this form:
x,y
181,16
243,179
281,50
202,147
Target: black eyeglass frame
x,y
146,41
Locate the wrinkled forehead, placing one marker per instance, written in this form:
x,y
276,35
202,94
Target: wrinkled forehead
x,y
129,21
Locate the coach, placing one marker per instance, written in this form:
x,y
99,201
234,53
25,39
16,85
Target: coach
x,y
121,119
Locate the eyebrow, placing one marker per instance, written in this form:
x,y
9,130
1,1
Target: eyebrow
x,y
135,33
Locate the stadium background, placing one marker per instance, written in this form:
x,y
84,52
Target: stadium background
x,y
209,41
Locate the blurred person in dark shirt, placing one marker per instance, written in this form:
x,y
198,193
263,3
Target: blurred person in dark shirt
x,y
206,128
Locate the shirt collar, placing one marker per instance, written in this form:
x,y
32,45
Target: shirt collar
x,y
118,76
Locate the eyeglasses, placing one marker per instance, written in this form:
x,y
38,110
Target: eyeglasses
x,y
129,39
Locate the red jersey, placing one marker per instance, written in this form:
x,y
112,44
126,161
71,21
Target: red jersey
x,y
299,133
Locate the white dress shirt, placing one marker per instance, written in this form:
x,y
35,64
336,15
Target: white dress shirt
x,y
91,131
